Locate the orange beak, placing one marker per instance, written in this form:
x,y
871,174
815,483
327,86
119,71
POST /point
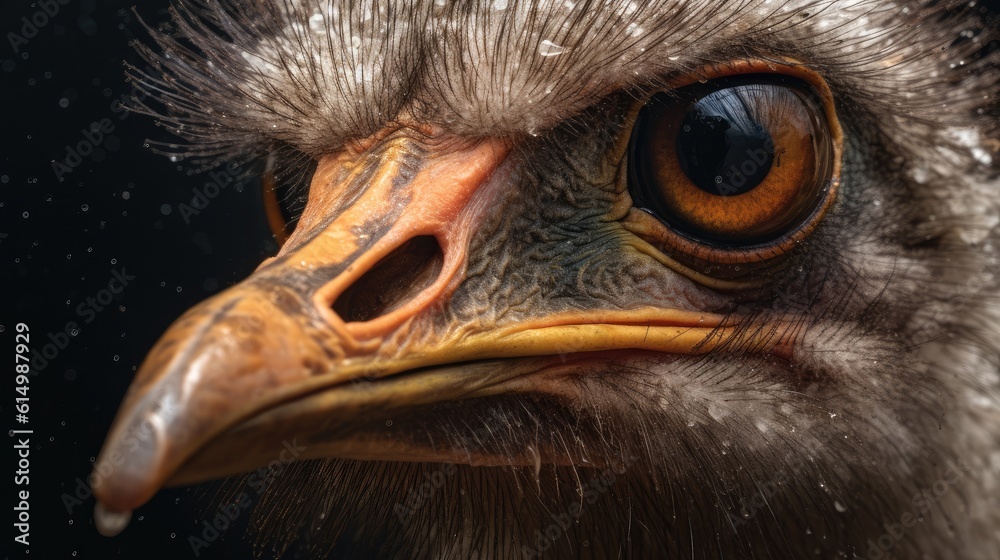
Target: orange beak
x,y
356,318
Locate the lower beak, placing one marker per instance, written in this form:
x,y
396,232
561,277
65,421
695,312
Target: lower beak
x,y
349,323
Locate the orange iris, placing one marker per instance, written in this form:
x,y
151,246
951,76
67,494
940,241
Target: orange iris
x,y
734,163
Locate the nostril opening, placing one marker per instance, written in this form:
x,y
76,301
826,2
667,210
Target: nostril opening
x,y
393,281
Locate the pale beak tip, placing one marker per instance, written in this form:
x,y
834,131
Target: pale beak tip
x,y
128,472
110,523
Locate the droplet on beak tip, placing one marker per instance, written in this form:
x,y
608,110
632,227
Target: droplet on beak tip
x,y
110,523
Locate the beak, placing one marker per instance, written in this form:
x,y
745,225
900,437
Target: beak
x,y
351,321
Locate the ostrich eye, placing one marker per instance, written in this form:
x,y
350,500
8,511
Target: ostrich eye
x,y
735,165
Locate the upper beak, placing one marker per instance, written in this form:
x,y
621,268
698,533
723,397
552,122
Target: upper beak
x,y
319,338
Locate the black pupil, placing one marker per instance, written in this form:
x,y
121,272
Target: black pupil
x,y
722,148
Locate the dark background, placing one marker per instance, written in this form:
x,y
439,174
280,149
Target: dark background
x,y
59,243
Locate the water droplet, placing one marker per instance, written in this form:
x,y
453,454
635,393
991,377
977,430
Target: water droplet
x,y
548,48
316,22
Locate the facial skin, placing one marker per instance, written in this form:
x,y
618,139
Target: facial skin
x,y
488,348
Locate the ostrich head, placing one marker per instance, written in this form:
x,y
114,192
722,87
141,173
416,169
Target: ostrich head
x,y
592,279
